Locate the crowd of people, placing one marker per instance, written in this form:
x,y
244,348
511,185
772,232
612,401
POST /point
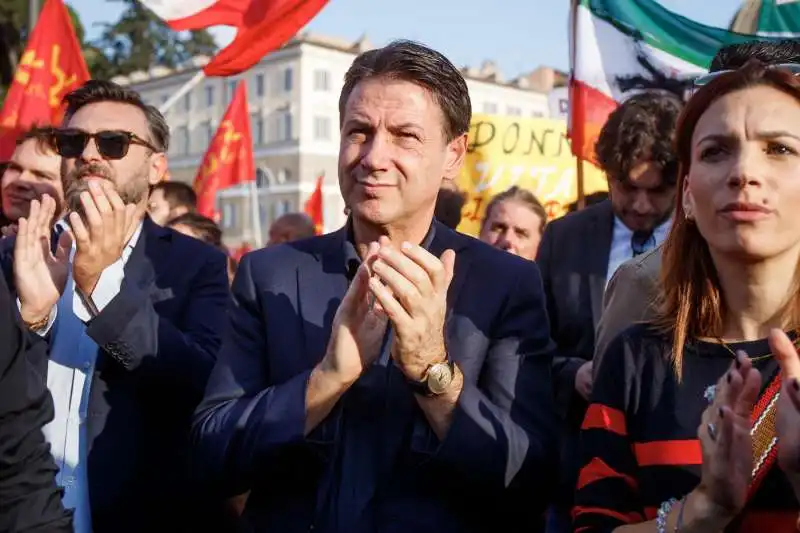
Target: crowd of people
x,y
629,367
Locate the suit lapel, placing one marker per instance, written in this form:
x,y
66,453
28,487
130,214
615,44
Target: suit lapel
x,y
321,285
153,242
598,245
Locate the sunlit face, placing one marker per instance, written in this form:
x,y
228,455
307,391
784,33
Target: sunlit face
x,y
132,175
32,171
393,155
514,227
743,186
158,207
643,201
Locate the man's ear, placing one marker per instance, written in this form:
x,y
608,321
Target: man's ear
x,y
456,153
158,168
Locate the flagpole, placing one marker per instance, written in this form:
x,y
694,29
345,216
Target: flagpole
x,y
256,215
33,14
573,35
188,86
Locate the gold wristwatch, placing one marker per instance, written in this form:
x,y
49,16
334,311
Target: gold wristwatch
x,y
436,381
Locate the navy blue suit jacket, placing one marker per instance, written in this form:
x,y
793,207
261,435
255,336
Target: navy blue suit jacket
x,y
158,341
494,466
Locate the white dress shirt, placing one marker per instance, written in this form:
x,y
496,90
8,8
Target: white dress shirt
x,y
621,249
69,378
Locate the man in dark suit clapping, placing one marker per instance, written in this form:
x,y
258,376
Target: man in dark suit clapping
x,y
393,375
132,314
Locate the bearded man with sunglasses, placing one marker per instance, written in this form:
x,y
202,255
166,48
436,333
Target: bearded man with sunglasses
x,y
133,314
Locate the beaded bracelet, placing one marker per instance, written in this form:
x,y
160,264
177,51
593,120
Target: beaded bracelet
x,y
663,512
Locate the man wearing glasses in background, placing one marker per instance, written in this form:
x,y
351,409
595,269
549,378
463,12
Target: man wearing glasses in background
x,y
133,327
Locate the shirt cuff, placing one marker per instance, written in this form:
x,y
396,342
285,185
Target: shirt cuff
x,y
51,319
108,286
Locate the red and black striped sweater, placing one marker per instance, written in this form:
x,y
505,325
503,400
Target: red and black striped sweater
x,y
639,438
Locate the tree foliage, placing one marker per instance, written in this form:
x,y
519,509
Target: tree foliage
x,y
137,41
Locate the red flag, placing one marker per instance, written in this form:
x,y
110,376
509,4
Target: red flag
x,y
261,26
229,158
313,206
51,66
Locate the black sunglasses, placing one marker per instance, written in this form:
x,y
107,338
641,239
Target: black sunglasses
x,y
112,144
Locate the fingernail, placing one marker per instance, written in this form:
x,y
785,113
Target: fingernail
x,y
721,412
795,385
406,245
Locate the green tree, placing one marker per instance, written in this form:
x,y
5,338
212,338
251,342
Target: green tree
x,y
139,40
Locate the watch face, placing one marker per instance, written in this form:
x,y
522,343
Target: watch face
x,y
439,377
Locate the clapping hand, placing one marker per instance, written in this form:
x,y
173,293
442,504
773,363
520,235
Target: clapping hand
x,y
787,423
411,285
358,328
101,235
725,439
39,275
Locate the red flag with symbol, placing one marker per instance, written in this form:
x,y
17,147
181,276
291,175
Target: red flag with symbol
x,y
50,67
313,206
229,158
261,26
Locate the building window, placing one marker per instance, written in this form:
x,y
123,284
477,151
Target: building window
x,y
230,215
209,96
513,111
490,108
283,127
283,176
262,178
260,85
257,125
208,134
281,208
288,76
322,128
322,80
187,102
184,140
231,89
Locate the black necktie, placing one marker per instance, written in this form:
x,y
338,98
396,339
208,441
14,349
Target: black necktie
x,y
642,241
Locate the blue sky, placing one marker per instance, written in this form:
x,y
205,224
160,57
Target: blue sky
x,y
520,36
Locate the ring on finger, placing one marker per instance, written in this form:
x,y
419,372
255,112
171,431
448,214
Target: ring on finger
x,y
712,431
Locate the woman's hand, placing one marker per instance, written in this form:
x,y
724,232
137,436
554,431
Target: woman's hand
x,y
787,422
724,435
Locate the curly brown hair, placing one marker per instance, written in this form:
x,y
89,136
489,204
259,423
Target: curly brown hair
x,y
641,128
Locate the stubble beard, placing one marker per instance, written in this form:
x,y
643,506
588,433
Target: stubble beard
x,y
134,189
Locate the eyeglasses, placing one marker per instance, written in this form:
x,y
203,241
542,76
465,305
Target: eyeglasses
x,y
112,144
705,79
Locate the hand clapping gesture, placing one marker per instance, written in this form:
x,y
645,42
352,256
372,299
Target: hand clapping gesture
x,y
39,275
411,285
101,235
725,439
358,328
787,423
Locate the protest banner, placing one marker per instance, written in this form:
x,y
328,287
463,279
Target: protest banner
x,y
532,153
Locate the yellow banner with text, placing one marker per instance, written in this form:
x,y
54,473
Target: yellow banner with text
x,y
532,153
